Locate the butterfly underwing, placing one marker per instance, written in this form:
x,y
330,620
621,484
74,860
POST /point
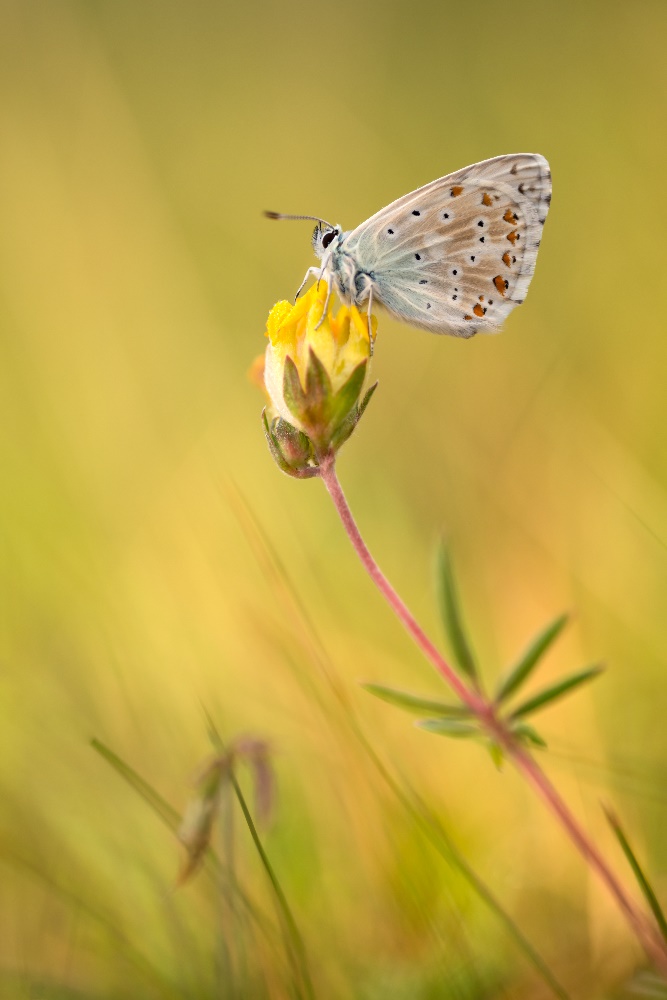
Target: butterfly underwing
x,y
455,256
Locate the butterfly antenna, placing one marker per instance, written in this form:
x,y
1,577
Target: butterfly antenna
x,y
300,218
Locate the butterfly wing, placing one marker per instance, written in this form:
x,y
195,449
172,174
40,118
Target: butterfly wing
x,y
457,255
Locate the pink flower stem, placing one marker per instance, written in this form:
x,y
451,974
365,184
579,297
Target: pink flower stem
x,y
485,711
470,698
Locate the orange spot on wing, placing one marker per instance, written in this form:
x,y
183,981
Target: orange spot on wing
x,y
486,199
467,317
456,191
507,258
500,284
513,237
478,310
511,217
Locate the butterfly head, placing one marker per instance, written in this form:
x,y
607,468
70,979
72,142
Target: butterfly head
x,y
324,236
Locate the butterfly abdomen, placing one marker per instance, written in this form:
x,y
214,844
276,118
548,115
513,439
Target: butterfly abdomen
x,y
343,270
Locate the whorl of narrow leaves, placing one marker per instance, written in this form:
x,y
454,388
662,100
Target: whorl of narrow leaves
x,y
530,658
451,616
642,881
556,691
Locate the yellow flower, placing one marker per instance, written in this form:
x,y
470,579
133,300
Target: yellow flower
x,y
315,372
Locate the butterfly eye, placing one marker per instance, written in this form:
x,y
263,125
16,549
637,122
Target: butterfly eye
x,y
327,238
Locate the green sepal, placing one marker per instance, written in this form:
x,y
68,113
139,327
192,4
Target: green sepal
x,y
555,691
449,727
451,616
642,881
415,703
344,431
276,453
318,384
528,736
344,401
293,394
297,472
530,658
366,400
296,447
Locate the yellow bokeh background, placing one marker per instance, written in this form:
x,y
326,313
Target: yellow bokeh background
x,y
157,566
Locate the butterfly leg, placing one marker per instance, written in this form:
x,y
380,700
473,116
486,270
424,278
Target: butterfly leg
x,y
309,273
370,324
326,304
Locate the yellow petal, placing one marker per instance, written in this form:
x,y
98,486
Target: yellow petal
x,y
277,317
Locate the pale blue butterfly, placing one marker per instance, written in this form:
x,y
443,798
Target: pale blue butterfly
x,y
455,256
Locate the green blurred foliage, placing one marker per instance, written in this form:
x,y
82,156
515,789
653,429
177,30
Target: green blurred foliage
x,y
139,143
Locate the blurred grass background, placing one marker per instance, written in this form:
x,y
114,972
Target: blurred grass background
x,y
139,143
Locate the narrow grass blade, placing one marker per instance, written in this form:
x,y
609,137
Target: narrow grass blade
x,y
448,727
143,789
556,691
451,616
296,946
530,658
415,703
642,881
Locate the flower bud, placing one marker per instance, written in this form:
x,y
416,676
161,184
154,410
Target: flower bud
x,y
315,375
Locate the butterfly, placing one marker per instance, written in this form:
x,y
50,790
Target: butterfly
x,y
455,256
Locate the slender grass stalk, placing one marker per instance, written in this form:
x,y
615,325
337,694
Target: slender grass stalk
x,y
485,711
296,947
229,916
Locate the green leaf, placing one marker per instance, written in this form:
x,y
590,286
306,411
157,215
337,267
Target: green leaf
x,y
448,727
344,400
497,755
293,394
526,734
451,616
642,881
530,658
413,702
556,691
